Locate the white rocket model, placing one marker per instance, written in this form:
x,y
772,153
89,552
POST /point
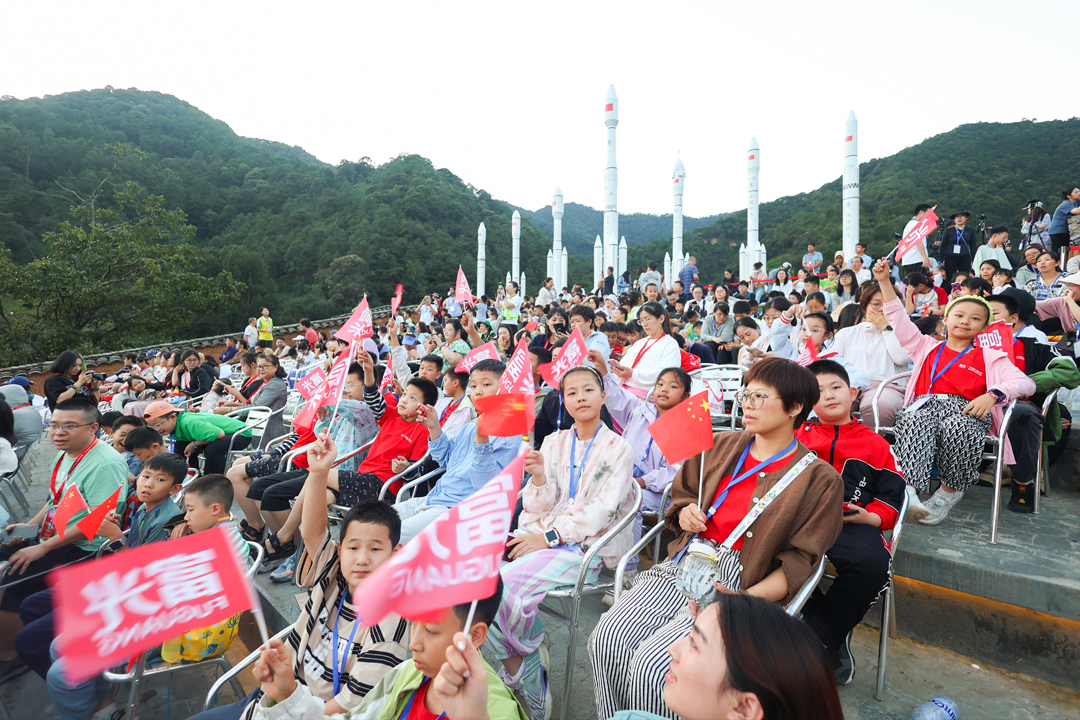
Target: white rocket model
x,y
556,273
521,285
515,244
597,261
481,261
550,265
611,182
622,257
744,273
753,165
508,280
851,186
562,272
667,271
676,231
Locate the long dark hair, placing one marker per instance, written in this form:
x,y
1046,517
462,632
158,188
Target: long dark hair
x,y
7,422
1068,191
659,312
64,362
777,658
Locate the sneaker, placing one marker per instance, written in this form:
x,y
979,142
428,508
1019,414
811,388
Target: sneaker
x,y
939,505
609,599
915,509
284,572
1023,498
534,687
845,663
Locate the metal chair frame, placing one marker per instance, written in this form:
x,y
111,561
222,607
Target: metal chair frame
x,y
730,384
878,427
257,427
231,674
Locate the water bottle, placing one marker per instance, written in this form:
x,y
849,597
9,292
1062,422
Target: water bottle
x,y
940,708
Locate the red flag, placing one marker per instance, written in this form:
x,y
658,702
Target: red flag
x,y
123,604
335,381
71,503
310,383
684,430
462,293
395,302
531,325
487,351
454,560
506,415
808,354
998,335
388,374
89,525
517,378
358,326
572,354
920,231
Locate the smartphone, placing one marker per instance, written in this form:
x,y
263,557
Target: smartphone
x,y
27,532
956,287
851,512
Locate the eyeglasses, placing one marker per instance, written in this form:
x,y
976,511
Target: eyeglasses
x,y
66,427
753,400
263,367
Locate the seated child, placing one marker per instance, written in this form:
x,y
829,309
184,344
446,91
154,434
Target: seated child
x,y
873,495
143,443
333,572
120,429
404,691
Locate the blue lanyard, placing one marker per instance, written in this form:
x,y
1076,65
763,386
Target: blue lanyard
x,y
648,448
573,446
736,478
408,706
333,650
558,421
934,374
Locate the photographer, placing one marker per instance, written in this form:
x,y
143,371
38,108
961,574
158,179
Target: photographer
x,y
71,377
1059,226
556,327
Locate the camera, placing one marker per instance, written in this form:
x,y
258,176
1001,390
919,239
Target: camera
x,y
1032,202
100,377
980,217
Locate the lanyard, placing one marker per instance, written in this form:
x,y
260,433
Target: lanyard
x,y
1052,282
558,422
648,448
333,648
52,483
934,374
645,348
19,407
449,409
408,706
573,446
737,478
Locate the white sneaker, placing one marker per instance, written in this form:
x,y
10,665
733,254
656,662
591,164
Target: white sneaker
x,y
939,505
915,509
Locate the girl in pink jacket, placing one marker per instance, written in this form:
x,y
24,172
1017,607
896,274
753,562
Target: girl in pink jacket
x,y
954,397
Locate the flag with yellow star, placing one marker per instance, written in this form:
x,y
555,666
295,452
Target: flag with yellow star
x,y
685,430
71,503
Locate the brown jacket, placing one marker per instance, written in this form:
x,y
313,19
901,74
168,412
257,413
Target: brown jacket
x,y
795,530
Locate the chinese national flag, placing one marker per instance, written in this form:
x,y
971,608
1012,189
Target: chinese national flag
x,y
462,293
71,503
454,560
507,414
685,430
89,525
395,302
487,351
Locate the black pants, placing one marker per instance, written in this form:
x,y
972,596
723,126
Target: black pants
x,y
275,491
862,572
957,263
1025,436
914,267
215,452
33,641
18,587
1058,241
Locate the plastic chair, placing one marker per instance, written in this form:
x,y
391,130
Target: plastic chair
x,y
9,480
257,418
729,377
888,604
572,595
796,605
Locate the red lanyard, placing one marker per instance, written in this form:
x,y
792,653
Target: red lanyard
x,y
449,409
18,407
56,470
185,380
645,349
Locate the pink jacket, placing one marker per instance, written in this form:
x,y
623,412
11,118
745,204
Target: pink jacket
x,y
1000,372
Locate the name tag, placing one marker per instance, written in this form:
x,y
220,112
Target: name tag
x,y
919,402
956,249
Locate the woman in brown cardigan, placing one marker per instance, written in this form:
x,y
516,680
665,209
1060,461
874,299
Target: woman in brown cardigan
x,y
771,558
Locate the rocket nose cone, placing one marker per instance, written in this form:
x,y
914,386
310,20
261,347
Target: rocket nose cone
x,y
851,116
516,215
679,166
558,192
611,93
753,143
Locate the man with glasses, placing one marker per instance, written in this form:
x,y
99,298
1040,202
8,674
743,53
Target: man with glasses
x,y
85,463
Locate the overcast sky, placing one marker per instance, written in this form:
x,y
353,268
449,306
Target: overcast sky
x,y
509,96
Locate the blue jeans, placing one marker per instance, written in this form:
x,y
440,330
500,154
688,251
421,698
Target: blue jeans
x,y
74,702
226,712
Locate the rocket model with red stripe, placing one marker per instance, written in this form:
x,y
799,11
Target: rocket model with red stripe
x,y
753,167
851,186
611,183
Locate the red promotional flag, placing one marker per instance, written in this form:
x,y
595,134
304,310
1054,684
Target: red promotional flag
x,y
395,302
335,381
684,430
517,378
111,609
998,335
454,560
462,293
573,353
808,354
917,234
358,326
310,383
71,503
531,325
487,351
506,415
89,525
388,374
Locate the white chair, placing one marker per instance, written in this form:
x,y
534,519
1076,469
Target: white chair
x,y
722,381
572,595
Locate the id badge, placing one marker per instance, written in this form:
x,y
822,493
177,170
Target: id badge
x,y
956,249
919,402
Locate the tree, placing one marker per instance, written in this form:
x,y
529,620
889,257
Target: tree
x,y
116,277
345,281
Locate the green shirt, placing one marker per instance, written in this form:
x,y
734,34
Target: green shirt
x,y
101,471
191,427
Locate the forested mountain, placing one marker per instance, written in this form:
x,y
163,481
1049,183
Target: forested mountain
x,y
581,224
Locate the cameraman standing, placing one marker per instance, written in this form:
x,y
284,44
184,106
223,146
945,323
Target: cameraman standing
x,y
955,253
71,377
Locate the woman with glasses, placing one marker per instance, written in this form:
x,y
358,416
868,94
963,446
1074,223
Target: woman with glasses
x,y
241,395
190,378
69,377
273,394
642,363
768,511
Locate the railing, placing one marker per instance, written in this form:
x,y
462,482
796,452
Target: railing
x,y
383,311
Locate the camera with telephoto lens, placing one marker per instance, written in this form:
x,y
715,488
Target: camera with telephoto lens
x,y
100,377
980,217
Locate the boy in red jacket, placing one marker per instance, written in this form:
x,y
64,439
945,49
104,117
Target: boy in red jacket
x,y
873,493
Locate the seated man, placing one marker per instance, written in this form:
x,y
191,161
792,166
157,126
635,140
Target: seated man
x,y
470,458
873,496
194,433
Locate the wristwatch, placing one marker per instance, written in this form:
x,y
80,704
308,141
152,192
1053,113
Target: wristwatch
x,y
552,538
999,396
888,328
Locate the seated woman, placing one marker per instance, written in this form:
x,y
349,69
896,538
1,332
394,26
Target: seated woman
x,y
768,553
642,362
190,378
242,395
580,488
953,399
754,342
817,328
743,658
